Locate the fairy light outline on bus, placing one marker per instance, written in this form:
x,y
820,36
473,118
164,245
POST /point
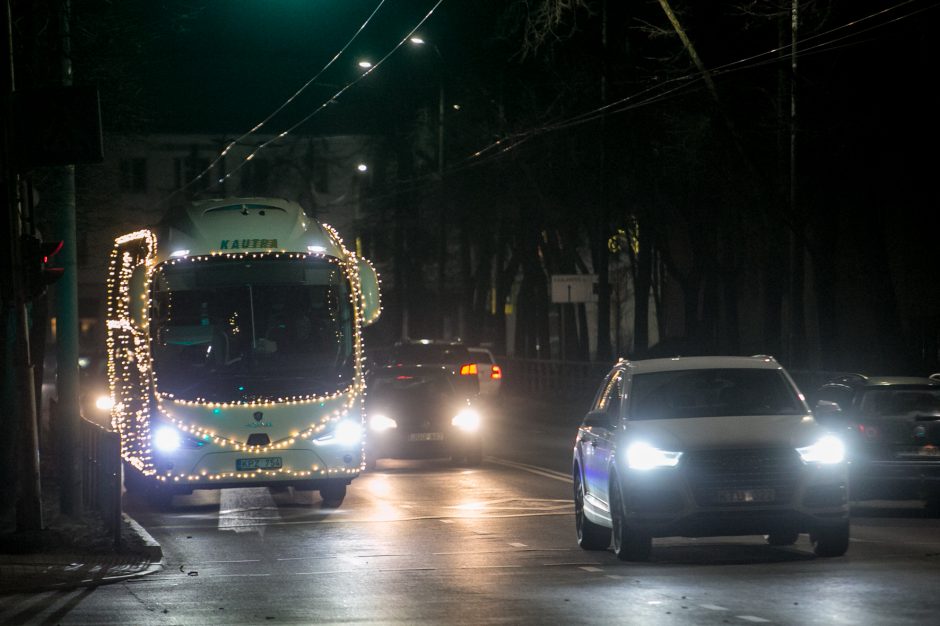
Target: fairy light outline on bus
x,y
130,338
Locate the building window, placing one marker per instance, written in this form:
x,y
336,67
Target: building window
x,y
134,175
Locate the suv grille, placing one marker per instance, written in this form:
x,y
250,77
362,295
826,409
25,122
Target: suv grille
x,y
755,477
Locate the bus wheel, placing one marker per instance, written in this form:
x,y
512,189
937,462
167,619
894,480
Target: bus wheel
x,y
333,492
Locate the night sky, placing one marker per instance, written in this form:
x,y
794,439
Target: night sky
x,y
703,174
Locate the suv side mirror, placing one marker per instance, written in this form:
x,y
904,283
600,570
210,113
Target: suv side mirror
x,y
827,408
599,419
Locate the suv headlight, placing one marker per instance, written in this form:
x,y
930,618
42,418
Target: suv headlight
x,y
380,423
643,456
827,451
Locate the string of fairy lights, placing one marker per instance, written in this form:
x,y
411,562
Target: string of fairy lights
x,y
135,386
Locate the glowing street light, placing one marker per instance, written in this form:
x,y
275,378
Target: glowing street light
x,y
362,167
417,41
365,64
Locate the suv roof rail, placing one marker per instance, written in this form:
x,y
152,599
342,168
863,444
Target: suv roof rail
x,y
849,378
763,356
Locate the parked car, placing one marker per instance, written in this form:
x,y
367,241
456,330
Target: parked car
x,y
488,372
706,446
892,430
421,411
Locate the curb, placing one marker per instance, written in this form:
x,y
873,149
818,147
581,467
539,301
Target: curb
x,y
151,547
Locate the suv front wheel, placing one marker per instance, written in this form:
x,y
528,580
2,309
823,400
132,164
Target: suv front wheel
x,y
591,536
629,544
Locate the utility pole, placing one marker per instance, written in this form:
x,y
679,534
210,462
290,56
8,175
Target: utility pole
x,y
68,419
797,334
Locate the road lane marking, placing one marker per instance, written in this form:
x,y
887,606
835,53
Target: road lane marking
x,y
752,618
713,607
532,469
235,575
516,544
615,576
233,512
591,568
346,520
236,561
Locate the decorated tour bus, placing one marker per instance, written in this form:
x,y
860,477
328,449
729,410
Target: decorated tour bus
x,y
235,353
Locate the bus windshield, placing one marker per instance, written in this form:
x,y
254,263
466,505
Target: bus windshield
x,y
233,330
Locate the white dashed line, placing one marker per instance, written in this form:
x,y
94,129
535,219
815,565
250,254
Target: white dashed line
x,y
592,569
518,545
752,618
447,521
615,576
713,607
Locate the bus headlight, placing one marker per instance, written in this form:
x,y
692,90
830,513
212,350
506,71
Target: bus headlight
x,y
104,402
380,423
827,451
467,420
346,433
166,439
643,456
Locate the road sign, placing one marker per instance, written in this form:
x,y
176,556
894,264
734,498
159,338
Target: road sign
x,y
574,288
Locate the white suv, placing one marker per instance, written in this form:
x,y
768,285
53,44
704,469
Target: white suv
x,y
706,446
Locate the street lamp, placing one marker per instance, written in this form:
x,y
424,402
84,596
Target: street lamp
x,y
364,64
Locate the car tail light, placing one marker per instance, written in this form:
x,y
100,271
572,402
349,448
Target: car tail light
x,y
869,431
496,372
468,369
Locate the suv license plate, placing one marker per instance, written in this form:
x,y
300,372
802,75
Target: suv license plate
x,y
273,462
426,437
744,496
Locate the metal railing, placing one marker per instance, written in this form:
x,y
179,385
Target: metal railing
x,y
578,381
101,475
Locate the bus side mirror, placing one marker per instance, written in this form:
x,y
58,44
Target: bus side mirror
x,y
371,295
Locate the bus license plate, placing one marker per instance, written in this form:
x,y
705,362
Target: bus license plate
x,y
426,437
272,462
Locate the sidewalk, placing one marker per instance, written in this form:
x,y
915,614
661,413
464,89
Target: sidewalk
x,y
65,568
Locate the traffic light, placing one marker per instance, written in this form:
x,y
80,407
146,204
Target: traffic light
x,y
36,255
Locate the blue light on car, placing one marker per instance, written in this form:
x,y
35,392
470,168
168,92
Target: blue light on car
x,y
643,456
828,450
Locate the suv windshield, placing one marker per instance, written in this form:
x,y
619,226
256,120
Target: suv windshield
x,y
712,393
900,401
225,330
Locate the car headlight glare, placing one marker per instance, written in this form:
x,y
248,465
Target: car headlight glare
x,y
467,420
827,451
347,432
166,439
380,423
104,402
643,456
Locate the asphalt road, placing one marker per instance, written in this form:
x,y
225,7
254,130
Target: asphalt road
x,y
424,542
